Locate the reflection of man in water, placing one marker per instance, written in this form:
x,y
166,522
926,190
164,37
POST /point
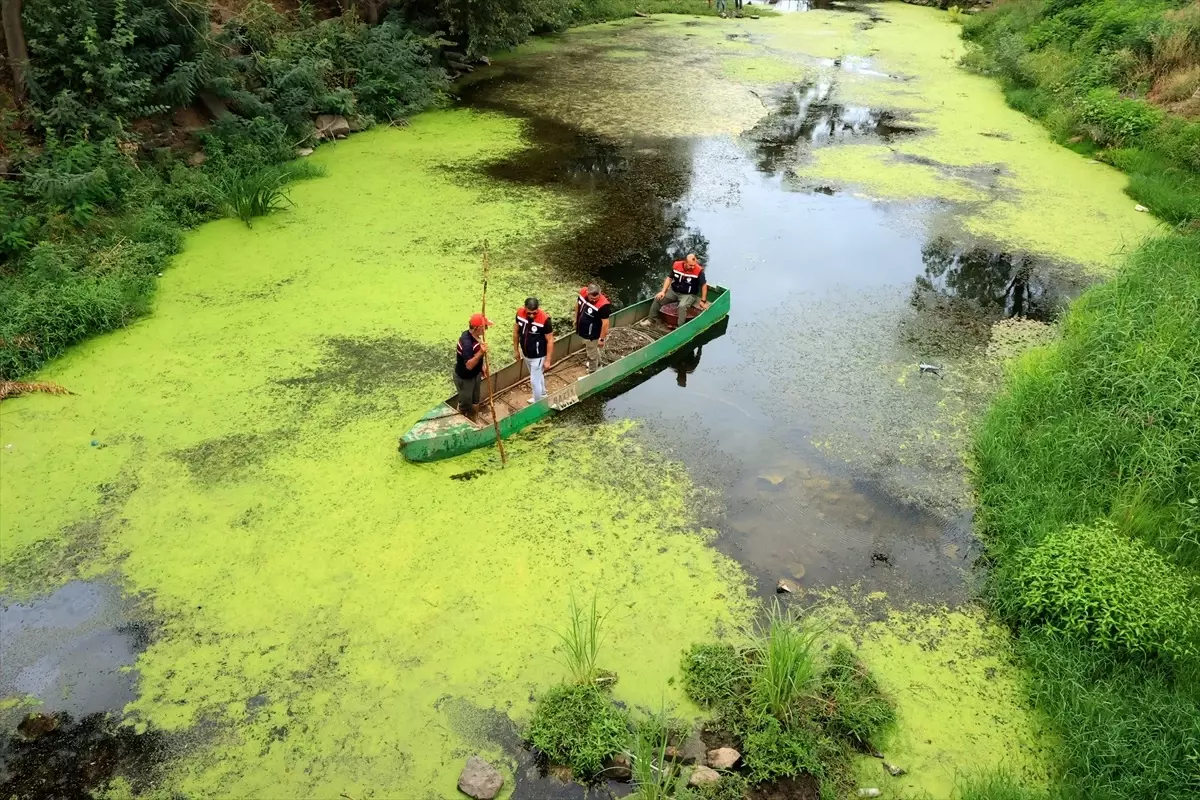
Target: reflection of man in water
x,y
686,364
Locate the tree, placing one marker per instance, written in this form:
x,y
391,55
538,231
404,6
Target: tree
x,y
18,53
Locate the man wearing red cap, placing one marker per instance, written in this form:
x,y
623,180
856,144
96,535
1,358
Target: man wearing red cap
x,y
468,365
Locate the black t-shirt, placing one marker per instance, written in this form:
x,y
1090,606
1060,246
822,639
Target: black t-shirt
x,y
685,280
590,316
532,328
468,346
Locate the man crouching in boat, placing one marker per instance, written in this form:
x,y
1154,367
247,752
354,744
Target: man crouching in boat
x,y
533,339
685,285
468,364
592,311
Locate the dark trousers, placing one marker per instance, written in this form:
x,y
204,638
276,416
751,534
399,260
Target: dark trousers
x,y
468,391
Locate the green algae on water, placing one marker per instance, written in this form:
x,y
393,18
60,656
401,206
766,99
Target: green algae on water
x,y
318,596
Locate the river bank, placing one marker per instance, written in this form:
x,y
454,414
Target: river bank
x,y
330,620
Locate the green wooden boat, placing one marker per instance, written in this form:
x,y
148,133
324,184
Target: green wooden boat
x,y
444,432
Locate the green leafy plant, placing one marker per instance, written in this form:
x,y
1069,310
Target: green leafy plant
x,y
1094,582
581,641
995,784
578,725
853,705
714,673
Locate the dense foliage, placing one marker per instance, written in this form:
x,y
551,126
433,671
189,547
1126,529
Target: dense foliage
x,y
578,725
795,710
1103,75
1088,473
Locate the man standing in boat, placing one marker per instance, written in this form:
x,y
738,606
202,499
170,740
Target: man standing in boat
x,y
533,339
686,285
592,311
468,364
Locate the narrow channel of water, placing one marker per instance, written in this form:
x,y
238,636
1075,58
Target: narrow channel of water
x,y
790,415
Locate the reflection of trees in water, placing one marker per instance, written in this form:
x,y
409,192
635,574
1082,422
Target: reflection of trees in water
x,y
998,283
807,117
633,224
965,289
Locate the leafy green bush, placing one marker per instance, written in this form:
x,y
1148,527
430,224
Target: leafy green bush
x,y
578,726
774,751
1115,119
94,65
854,706
714,673
654,775
1093,582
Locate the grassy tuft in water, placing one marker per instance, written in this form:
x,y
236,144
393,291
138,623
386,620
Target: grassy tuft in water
x,y
578,726
581,641
785,665
248,195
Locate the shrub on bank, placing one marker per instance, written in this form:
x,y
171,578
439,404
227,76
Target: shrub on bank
x,y
1095,583
578,725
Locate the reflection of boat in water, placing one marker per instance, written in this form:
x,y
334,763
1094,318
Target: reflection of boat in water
x,y
444,432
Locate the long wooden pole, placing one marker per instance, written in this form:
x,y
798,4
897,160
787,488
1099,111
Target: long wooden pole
x,y
487,369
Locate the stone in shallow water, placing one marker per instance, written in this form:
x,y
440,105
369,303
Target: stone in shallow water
x,y
479,779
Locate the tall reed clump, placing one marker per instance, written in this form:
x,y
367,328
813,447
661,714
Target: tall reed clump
x,y
257,193
785,665
581,641
1088,474
655,776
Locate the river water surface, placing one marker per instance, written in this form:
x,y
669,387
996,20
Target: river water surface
x,y
215,540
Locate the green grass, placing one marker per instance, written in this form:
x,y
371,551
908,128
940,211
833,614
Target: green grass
x,y
248,195
1087,470
784,664
654,777
995,784
581,641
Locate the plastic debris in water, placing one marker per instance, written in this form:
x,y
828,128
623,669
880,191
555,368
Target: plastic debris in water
x,y
930,368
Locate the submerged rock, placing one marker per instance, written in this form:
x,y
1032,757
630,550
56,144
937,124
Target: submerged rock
x,y
723,758
479,779
35,726
702,775
784,586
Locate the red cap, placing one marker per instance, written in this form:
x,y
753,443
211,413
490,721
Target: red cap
x,y
479,319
